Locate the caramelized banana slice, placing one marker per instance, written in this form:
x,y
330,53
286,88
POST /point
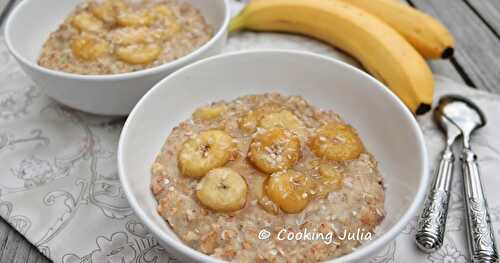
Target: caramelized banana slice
x,y
204,152
139,54
284,119
89,47
336,142
222,190
107,10
209,112
130,18
249,122
289,190
331,179
162,13
274,150
170,31
87,22
131,35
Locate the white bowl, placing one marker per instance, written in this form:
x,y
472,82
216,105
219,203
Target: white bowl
x,y
388,129
30,24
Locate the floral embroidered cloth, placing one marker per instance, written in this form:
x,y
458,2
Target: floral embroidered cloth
x,y
59,185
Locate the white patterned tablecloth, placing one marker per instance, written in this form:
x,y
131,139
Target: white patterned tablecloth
x,y
59,185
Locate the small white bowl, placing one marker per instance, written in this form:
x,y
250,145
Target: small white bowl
x,y
30,24
387,128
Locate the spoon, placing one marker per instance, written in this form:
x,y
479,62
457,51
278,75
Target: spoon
x,y
432,221
468,117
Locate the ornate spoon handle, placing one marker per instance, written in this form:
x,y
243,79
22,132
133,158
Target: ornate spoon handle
x,y
480,232
432,222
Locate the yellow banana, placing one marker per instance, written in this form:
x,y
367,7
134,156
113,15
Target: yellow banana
x,y
426,34
381,50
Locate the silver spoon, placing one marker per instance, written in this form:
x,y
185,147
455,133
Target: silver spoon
x,y
468,117
432,221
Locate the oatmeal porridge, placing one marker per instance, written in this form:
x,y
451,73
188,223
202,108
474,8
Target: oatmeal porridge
x,y
118,36
267,162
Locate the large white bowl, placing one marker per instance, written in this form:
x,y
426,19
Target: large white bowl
x,y
388,129
30,24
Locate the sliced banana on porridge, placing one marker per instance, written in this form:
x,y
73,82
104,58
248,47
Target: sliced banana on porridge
x,y
222,190
331,179
206,151
209,112
336,142
139,54
162,13
106,10
170,31
284,119
131,18
89,47
274,150
289,190
87,22
131,35
249,122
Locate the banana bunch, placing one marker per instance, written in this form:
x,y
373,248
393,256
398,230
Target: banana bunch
x,y
384,35
431,38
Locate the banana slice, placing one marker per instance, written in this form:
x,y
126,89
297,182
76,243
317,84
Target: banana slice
x,y
130,18
289,190
222,190
105,11
204,152
170,31
250,121
331,179
131,35
209,112
119,5
336,142
162,13
139,54
89,47
274,150
86,21
284,119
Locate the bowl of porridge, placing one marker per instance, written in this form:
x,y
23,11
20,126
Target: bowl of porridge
x,y
266,168
102,56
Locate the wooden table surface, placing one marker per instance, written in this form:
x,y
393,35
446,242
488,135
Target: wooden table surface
x,y
476,27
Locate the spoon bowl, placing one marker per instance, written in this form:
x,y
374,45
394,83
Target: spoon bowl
x,y
463,113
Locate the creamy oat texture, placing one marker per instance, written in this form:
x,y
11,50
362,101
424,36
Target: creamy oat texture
x,y
118,36
357,204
